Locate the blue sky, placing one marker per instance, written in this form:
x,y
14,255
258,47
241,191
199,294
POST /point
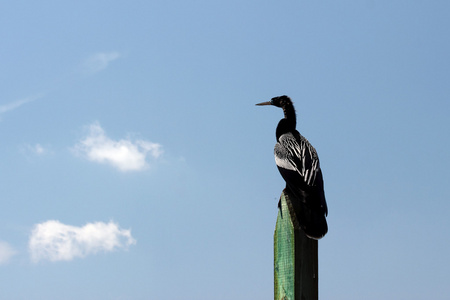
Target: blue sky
x,y
134,164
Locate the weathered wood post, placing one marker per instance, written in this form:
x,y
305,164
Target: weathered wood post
x,y
295,258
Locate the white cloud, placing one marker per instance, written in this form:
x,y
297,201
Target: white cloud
x,y
99,61
55,241
6,252
124,154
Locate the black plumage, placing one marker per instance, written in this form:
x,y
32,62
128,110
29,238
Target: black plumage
x,y
299,165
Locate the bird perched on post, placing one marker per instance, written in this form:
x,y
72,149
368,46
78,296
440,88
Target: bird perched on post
x,y
299,166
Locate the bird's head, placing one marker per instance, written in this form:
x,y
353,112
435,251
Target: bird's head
x,y
280,101
288,123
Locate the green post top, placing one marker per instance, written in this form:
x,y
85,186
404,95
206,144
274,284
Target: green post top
x,y
295,257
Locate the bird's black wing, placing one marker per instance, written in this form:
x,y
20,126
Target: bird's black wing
x,y
299,166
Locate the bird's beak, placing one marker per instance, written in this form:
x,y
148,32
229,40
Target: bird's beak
x,y
264,103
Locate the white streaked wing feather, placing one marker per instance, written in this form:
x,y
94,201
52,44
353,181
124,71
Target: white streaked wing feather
x,y
289,148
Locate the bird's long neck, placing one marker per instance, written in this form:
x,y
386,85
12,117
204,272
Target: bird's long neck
x,y
289,114
288,123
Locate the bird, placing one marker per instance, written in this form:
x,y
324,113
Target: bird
x,y
298,164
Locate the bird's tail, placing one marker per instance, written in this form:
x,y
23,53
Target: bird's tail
x,y
308,218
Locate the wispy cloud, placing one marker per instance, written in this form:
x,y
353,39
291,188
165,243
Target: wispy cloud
x,y
55,241
33,151
124,154
36,149
6,252
99,61
16,104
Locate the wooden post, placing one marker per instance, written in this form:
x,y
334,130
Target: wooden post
x,y
295,258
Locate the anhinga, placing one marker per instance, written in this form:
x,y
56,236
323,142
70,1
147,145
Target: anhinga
x,y
299,166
